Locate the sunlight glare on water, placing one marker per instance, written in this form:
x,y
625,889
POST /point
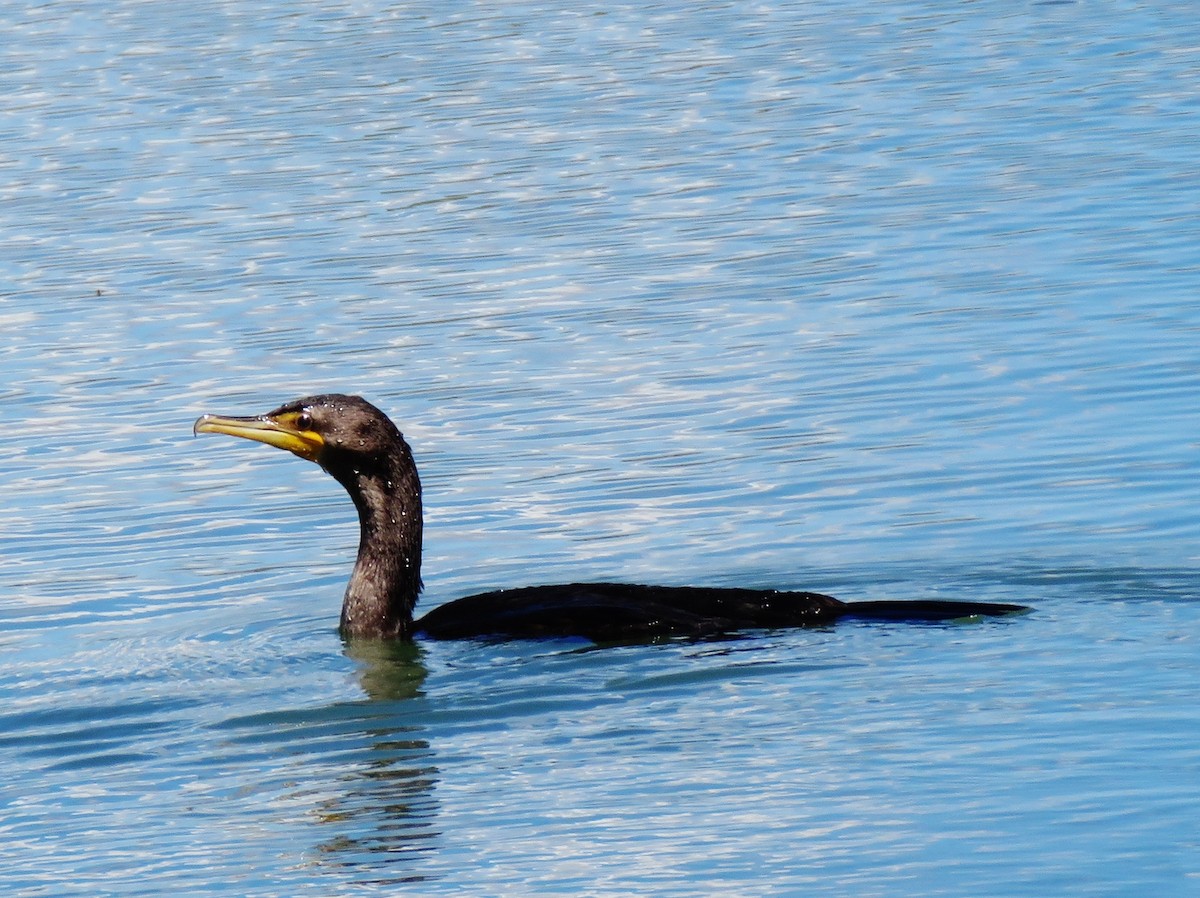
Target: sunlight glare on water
x,y
886,301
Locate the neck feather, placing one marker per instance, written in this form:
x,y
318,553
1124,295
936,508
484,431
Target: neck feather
x,y
387,575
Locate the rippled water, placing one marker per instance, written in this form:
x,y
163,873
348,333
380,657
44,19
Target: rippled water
x,y
893,300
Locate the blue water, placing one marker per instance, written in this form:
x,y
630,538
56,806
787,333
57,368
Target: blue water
x,y
889,300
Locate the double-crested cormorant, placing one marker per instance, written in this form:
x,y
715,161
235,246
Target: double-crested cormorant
x,y
357,444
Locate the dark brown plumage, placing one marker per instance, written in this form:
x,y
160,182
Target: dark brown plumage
x,y
362,449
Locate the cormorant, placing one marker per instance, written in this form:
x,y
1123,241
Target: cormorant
x,y
362,449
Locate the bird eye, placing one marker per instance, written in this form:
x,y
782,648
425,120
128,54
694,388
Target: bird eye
x,y
304,421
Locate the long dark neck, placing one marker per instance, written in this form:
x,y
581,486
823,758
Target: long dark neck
x,y
387,575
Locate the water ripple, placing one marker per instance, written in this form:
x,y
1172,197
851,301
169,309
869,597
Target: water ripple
x,y
891,301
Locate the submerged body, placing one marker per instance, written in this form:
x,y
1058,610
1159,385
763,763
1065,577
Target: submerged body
x,y
361,448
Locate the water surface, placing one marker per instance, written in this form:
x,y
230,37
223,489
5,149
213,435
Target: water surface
x,y
888,301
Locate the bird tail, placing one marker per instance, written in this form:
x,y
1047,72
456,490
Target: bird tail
x,y
928,610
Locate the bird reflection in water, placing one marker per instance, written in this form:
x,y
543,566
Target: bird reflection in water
x,y
381,819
